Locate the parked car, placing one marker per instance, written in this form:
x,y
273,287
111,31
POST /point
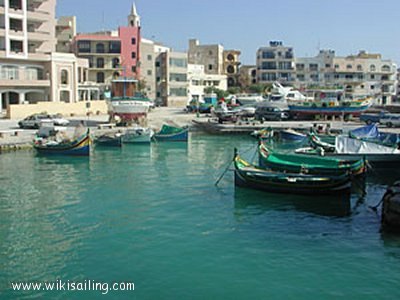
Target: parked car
x,y
35,120
271,113
370,118
59,120
391,120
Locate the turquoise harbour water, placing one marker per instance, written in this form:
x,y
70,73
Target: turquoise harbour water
x,y
152,215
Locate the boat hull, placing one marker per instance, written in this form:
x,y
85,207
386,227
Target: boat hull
x,y
128,109
282,182
330,111
138,136
172,134
78,148
109,141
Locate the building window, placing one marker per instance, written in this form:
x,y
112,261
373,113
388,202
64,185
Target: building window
x,y
32,73
100,48
133,69
300,67
230,69
313,67
16,46
230,57
149,57
327,65
268,55
133,41
115,47
64,77
9,72
210,53
100,62
149,72
178,62
336,66
100,77
178,92
349,66
15,4
267,65
372,68
178,77
64,96
133,55
210,67
359,67
115,62
385,68
157,64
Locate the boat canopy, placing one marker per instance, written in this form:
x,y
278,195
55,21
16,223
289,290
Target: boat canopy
x,y
348,145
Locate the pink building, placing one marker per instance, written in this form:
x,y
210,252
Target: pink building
x,y
112,53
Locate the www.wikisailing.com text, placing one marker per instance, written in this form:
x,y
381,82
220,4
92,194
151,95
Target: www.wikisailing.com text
x,y
86,285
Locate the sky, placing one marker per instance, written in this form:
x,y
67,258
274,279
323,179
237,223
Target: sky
x,y
345,26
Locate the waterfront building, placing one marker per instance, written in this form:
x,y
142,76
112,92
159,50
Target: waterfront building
x,y
231,66
275,63
247,75
210,56
30,69
198,81
65,33
315,71
111,53
358,75
172,83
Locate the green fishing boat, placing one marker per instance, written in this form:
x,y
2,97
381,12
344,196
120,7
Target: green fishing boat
x,y
308,164
250,176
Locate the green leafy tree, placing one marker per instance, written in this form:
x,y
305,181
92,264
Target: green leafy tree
x,y
220,93
234,90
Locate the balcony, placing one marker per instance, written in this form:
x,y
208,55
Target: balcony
x,y
38,15
40,36
24,83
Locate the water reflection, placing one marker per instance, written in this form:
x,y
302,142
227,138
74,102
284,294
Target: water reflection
x,y
247,200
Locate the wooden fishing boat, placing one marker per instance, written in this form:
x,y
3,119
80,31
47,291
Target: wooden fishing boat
x,y
172,134
291,135
138,135
109,140
248,175
77,147
315,142
309,164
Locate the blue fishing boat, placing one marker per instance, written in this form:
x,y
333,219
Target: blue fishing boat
x,y
77,147
172,134
291,135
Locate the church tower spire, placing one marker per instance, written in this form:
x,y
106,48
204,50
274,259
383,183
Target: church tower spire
x,y
134,18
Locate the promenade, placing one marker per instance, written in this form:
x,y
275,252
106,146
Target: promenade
x,y
12,137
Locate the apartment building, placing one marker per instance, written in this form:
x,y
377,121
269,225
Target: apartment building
x,y
172,82
111,53
361,74
198,81
231,64
65,33
30,69
247,75
275,63
210,56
